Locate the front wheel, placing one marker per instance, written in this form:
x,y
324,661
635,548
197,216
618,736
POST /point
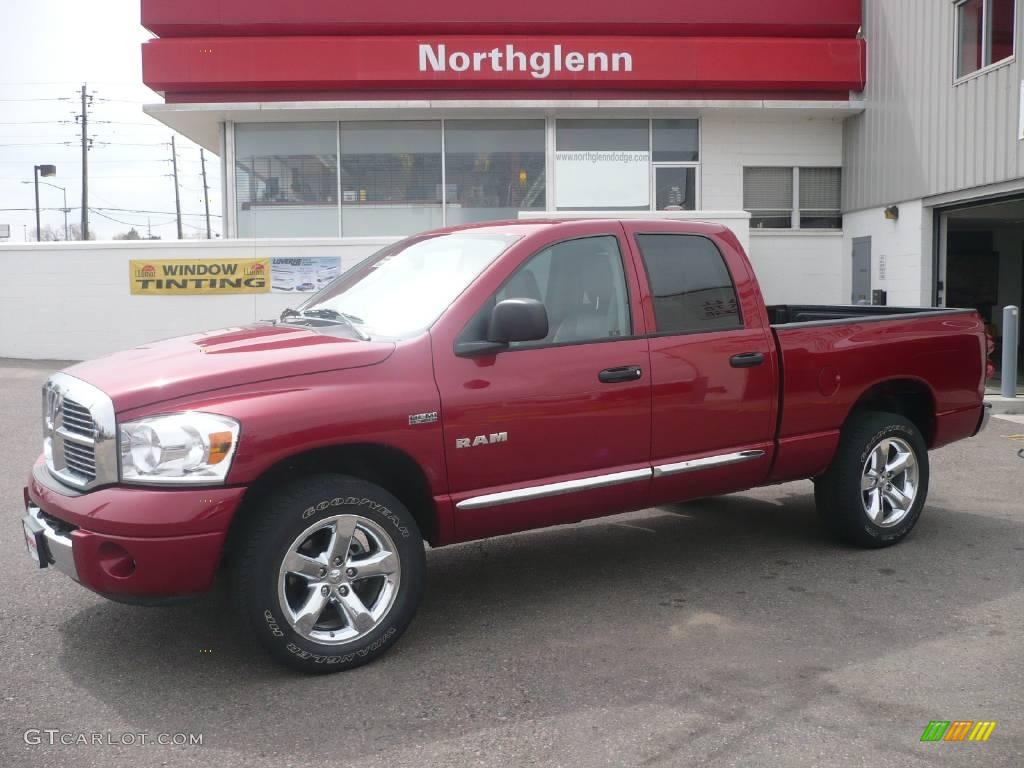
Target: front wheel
x,y
330,572
874,490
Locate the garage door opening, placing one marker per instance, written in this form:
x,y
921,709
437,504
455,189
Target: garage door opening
x,y
984,265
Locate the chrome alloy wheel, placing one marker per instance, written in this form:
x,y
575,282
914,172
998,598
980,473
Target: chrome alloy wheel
x,y
339,579
889,482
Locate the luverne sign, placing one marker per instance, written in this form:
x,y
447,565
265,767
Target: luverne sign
x,y
508,58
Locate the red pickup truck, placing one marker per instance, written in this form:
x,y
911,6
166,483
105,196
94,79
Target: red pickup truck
x,y
473,382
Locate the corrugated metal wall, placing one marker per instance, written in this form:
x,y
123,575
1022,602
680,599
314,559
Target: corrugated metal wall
x,y
922,135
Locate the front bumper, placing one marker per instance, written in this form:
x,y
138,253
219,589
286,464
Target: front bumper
x,y
131,543
56,546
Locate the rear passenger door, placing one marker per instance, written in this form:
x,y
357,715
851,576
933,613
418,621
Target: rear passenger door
x,y
713,364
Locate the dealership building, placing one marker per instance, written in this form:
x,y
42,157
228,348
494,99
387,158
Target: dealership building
x,y
859,149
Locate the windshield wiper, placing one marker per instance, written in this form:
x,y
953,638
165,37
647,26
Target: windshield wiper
x,y
329,315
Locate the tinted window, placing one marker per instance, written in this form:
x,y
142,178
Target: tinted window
x,y
690,282
581,284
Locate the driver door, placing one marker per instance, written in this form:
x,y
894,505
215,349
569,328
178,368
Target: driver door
x,y
555,430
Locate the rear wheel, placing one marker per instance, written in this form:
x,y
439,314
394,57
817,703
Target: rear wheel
x,y
330,573
873,492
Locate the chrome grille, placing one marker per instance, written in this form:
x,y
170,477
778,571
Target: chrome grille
x,y
76,418
78,432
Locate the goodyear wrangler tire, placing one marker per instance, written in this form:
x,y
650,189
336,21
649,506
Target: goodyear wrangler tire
x,y
873,492
330,573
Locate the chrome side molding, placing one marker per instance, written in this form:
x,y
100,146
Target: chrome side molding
x,y
706,463
603,481
554,489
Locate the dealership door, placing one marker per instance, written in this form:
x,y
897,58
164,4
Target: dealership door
x,y
861,270
982,265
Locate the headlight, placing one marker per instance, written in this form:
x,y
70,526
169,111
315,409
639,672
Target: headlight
x,y
178,448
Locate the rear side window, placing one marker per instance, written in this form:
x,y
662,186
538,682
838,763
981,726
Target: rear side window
x,y
691,285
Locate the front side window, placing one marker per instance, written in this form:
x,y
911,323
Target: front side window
x,y
404,288
984,30
690,283
581,284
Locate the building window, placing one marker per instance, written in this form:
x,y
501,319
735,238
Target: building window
x,y
793,198
820,198
390,178
603,165
768,196
692,288
985,34
286,179
676,156
493,169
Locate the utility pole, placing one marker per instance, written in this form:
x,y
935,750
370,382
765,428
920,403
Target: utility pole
x,y
177,194
84,118
206,194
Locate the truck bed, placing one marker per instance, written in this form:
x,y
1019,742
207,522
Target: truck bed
x,y
830,357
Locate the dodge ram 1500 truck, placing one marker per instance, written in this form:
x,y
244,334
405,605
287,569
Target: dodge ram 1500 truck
x,y
473,382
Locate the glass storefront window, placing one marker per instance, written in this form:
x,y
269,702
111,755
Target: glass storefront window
x,y
603,165
676,141
286,179
493,169
390,177
675,188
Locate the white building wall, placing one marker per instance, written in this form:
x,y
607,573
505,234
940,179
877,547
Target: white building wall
x,y
796,267
72,301
901,252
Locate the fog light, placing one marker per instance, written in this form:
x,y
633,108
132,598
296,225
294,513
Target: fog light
x,y
115,560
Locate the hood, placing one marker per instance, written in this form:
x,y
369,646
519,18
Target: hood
x,y
189,365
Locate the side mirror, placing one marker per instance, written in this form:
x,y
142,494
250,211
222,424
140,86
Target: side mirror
x,y
518,320
511,320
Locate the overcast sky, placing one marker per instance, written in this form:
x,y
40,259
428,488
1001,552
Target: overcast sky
x,y
49,49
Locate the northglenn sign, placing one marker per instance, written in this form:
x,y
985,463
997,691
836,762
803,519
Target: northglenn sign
x,y
539,63
232,67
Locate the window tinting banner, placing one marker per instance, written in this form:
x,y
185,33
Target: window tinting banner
x,y
168,277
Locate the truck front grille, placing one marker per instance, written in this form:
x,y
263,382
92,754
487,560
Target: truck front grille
x,y
78,432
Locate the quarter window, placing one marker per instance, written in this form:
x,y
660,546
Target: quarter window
x,y
690,283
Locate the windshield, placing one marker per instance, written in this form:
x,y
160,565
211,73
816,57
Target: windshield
x,y
404,288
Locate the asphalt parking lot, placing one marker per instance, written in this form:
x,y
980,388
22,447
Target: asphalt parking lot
x,y
728,632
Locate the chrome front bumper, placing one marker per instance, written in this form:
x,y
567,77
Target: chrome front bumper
x,y
58,546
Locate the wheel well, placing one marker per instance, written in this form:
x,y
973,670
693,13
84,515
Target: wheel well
x,y
908,397
387,467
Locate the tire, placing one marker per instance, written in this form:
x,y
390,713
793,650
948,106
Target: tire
x,y
863,506
312,614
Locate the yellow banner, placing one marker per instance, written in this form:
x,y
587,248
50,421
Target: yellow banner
x,y
168,277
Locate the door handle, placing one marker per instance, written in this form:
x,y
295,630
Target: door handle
x,y
619,375
746,360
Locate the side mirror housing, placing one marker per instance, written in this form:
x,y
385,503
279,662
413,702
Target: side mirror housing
x,y
518,320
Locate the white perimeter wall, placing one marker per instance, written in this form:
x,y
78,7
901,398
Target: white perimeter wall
x,y
72,301
901,252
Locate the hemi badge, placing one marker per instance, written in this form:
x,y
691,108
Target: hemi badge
x,y
422,418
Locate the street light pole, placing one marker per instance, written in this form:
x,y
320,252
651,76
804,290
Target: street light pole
x,y
39,226
67,234
45,171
